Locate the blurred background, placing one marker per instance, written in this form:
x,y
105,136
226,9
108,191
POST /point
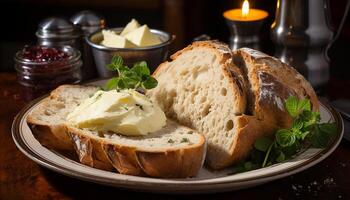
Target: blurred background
x,y
184,18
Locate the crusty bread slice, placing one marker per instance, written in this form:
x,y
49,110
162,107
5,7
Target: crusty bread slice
x,y
47,119
233,98
202,89
174,151
268,83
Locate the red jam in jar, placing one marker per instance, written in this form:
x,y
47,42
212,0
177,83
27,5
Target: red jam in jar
x,y
42,68
43,54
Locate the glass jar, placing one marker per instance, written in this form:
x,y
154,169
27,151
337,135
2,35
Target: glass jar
x,y
38,76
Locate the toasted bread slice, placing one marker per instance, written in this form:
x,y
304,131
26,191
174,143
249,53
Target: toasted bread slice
x,y
174,151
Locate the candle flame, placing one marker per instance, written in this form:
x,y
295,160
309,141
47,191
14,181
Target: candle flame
x,y
245,8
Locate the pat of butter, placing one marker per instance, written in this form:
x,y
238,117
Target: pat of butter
x,y
131,26
126,112
111,39
142,37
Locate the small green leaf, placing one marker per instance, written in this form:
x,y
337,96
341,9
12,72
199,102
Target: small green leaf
x,y
323,134
285,138
131,79
262,144
111,67
310,118
184,140
141,69
292,106
297,124
112,83
302,134
121,84
304,104
117,60
150,83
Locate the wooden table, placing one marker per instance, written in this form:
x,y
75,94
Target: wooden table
x,y
21,178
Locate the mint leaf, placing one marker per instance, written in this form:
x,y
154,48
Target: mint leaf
x,y
310,118
304,104
121,84
116,63
117,60
122,70
302,134
262,144
138,77
111,67
292,106
306,129
297,124
295,107
323,134
150,83
285,138
141,69
112,83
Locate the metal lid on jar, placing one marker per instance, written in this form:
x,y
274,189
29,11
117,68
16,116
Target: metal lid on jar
x,y
88,21
56,27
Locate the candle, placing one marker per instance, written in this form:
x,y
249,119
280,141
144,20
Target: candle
x,y
245,13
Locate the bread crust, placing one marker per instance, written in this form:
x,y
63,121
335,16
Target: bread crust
x,y
126,159
269,82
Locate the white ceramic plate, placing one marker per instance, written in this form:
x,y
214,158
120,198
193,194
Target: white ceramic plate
x,y
206,182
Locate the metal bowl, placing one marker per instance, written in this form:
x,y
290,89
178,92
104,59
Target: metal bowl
x,y
153,55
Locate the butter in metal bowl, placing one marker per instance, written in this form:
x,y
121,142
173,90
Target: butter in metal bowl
x,y
133,35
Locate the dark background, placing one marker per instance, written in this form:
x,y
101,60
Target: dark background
x,y
184,18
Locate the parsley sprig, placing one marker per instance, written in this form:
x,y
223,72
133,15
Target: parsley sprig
x,y
137,77
306,131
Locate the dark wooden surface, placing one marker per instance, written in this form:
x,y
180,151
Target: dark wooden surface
x,y
21,178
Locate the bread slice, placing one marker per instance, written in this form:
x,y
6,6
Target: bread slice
x,y
202,89
233,98
47,119
174,151
268,83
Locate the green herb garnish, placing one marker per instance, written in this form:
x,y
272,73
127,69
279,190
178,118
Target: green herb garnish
x,y
184,140
140,106
306,131
137,77
170,141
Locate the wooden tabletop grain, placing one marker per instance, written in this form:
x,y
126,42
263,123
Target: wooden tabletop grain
x,y
21,178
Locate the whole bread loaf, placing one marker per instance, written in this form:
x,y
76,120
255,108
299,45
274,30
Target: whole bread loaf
x,y
233,98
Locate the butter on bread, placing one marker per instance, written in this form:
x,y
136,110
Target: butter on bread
x,y
174,151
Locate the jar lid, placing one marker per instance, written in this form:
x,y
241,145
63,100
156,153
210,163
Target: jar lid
x,y
56,27
87,18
